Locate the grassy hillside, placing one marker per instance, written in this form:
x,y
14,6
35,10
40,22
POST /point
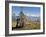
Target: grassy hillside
x,y
28,26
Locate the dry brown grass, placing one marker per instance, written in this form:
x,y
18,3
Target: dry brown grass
x,y
28,26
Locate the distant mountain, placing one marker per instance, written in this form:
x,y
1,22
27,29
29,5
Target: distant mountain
x,y
33,18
